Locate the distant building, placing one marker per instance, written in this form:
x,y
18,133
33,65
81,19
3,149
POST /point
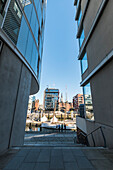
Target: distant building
x,y
33,104
36,105
51,96
40,107
77,100
29,105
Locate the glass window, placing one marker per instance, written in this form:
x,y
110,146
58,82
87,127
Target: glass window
x,y
40,48
33,19
29,47
36,31
77,3
39,69
81,39
22,38
36,3
28,11
36,62
84,63
39,14
88,102
33,57
79,19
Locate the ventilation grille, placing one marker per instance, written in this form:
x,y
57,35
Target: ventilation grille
x,y
13,21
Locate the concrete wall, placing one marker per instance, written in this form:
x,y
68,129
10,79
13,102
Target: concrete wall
x,y
90,15
101,42
102,92
15,82
83,4
81,124
100,45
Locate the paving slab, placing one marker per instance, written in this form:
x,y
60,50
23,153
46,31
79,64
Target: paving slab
x,y
15,163
83,162
68,156
71,166
102,164
93,154
27,166
77,152
41,166
44,156
56,162
23,152
32,156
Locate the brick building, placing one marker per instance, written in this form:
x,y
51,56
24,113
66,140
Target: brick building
x,y
77,100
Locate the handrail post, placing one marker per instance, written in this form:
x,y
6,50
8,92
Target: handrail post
x,y
103,137
93,139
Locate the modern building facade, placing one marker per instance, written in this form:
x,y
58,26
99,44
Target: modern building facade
x,y
21,46
77,100
51,99
95,34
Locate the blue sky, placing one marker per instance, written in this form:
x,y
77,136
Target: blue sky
x,y
60,67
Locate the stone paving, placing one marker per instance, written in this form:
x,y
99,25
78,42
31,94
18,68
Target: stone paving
x,y
53,157
59,158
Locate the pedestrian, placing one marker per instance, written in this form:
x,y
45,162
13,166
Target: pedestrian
x,y
59,127
64,126
30,127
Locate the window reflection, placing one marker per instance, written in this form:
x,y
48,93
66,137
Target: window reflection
x,y
79,19
81,39
39,14
88,102
84,64
28,11
23,34
29,48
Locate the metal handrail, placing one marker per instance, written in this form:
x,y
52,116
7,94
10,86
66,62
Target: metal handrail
x,y
91,133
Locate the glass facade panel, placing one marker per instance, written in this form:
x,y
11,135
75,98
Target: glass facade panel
x,y
33,19
88,102
33,57
23,36
81,39
29,48
28,11
36,3
79,19
84,63
40,14
19,29
51,99
77,3
36,31
40,48
39,69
